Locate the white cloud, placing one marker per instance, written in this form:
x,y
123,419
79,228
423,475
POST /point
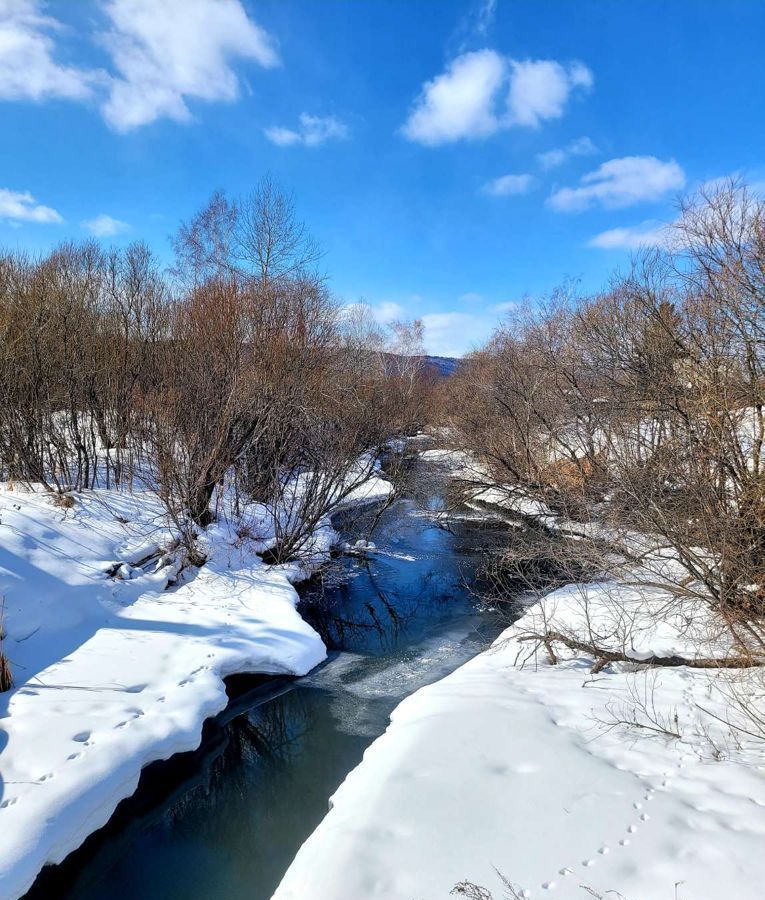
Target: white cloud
x,y
167,53
21,206
383,313
670,235
506,185
508,306
164,53
551,159
104,226
474,25
313,130
484,16
455,333
388,311
540,89
621,182
632,238
452,332
28,70
464,102
459,103
582,146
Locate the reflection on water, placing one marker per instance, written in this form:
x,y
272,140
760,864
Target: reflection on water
x,y
394,621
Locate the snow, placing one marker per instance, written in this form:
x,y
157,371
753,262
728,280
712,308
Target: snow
x,y
513,765
452,459
564,781
483,490
114,671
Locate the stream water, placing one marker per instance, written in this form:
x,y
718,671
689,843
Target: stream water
x,y
226,821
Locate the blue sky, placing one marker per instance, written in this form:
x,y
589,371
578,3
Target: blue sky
x,y
450,157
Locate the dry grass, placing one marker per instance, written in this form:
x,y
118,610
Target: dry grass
x,y
6,677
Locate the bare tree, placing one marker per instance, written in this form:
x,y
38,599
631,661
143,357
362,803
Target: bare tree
x,y
255,236
640,411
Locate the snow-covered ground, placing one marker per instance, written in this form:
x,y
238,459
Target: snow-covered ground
x,y
115,664
483,491
512,765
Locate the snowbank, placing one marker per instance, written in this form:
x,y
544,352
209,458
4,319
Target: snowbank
x,y
523,767
113,669
483,491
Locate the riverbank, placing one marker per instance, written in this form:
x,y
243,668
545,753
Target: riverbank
x,y
569,784
236,811
118,661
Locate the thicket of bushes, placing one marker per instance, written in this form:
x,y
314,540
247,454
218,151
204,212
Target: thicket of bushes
x,y
237,366
641,407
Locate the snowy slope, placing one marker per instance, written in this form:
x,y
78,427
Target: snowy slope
x,y
114,672
510,766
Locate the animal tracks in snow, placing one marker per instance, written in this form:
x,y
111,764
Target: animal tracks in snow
x,y
191,676
604,849
85,739
134,714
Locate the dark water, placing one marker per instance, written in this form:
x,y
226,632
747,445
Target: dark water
x,y
226,821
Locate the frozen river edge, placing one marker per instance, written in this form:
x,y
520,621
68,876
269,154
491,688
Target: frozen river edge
x,y
510,767
113,672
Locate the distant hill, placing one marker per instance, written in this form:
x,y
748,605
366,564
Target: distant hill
x,y
444,366
433,366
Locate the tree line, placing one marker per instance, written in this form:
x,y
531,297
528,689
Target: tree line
x,y
639,410
235,369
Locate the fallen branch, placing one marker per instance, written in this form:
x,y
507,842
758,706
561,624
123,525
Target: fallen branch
x,y
603,656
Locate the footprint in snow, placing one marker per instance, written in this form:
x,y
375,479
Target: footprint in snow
x,y
46,777
588,862
82,737
603,851
9,801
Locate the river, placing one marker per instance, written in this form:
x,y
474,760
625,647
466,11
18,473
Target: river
x,y
226,821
